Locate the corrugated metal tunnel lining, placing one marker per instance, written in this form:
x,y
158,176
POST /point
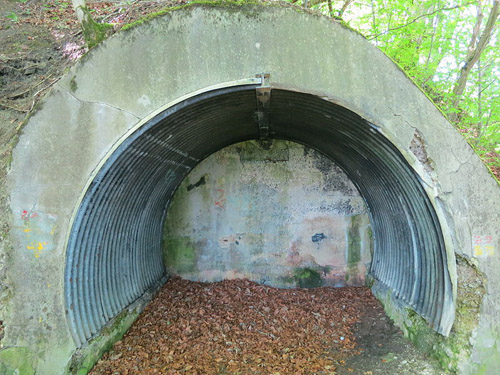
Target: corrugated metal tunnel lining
x,y
114,252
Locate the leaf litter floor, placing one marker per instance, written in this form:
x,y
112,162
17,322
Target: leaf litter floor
x,y
240,327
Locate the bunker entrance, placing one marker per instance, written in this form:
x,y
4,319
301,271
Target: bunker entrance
x,y
115,250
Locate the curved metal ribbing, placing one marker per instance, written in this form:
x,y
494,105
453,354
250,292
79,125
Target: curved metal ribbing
x,y
409,254
114,250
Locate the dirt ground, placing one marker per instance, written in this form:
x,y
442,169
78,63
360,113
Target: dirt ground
x,y
240,327
384,349
39,41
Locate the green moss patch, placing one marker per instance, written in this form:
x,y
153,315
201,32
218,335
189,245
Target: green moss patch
x,y
93,32
180,254
208,3
16,361
83,361
455,349
236,5
354,246
87,356
307,278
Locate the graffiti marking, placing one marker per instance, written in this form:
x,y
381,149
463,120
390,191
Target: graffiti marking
x,y
483,246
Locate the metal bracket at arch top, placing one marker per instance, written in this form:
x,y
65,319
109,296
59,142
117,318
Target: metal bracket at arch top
x,y
263,93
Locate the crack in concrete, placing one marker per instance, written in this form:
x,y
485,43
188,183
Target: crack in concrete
x,y
461,163
403,118
101,103
410,125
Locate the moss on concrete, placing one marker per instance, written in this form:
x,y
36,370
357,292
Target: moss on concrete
x,y
287,279
16,361
86,357
208,3
354,244
369,231
254,151
490,363
180,254
307,278
93,32
9,137
237,5
73,85
454,350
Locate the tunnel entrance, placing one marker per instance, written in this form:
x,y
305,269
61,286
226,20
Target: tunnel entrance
x,y
114,251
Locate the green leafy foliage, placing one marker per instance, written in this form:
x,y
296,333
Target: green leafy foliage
x,y
430,40
13,17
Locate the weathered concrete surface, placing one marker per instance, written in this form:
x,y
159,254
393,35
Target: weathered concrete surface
x,y
270,216
57,163
140,71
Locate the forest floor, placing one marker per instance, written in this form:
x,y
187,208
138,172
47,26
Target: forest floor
x,y
241,327
39,41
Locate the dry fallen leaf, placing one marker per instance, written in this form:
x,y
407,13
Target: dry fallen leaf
x,y
242,327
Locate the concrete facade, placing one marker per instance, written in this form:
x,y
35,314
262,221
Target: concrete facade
x,y
284,217
141,72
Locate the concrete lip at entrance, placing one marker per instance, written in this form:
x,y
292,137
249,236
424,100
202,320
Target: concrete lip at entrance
x,y
96,167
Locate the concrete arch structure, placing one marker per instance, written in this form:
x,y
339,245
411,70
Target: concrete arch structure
x,y
95,167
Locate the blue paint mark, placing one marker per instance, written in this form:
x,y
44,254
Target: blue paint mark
x,y
318,237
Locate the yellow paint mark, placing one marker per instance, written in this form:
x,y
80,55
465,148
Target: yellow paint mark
x,y
40,320
37,249
487,250
27,230
490,251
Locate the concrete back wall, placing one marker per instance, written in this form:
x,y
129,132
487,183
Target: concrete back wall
x,y
284,216
136,74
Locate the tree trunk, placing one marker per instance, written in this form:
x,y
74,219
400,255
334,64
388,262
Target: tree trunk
x,y
344,7
374,23
93,32
474,53
78,6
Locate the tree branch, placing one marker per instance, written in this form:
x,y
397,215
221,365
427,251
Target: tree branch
x,y
474,53
344,7
417,18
